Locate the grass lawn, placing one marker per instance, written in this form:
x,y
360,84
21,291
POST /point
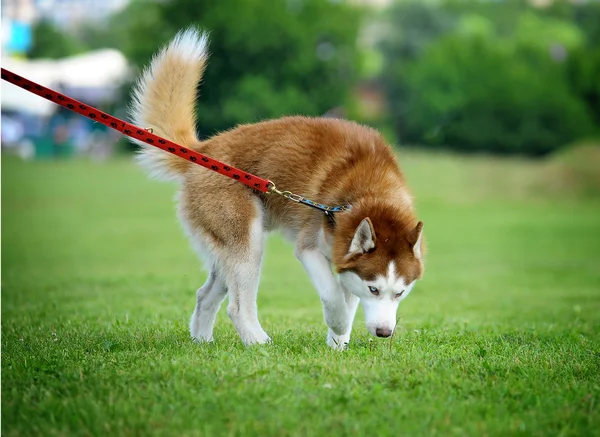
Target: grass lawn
x,y
502,336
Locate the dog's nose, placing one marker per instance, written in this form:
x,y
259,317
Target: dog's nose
x,y
383,332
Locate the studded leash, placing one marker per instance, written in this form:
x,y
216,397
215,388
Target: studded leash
x,y
147,136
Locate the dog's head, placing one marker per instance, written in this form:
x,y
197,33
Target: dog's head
x,y
379,257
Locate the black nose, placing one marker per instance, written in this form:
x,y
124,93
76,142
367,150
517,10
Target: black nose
x,y
383,332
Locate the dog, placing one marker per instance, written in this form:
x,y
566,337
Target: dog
x,y
371,253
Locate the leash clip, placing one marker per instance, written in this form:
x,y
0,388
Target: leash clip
x,y
328,210
287,194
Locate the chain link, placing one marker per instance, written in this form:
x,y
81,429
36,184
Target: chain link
x,y
300,199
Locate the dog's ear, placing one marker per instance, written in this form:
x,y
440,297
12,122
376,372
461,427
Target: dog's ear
x,y
364,238
415,239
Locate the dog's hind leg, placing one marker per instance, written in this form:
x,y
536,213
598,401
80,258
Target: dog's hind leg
x,y
230,237
242,275
208,301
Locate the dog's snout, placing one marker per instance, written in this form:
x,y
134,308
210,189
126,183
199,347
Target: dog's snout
x,y
383,332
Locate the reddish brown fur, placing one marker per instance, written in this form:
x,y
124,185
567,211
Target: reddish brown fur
x,y
394,229
330,161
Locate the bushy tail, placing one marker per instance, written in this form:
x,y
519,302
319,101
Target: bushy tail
x,y
164,99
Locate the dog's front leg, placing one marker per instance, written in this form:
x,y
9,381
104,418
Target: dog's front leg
x,y
339,306
341,341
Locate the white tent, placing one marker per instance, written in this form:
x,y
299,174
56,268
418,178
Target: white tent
x,y
99,69
15,98
104,70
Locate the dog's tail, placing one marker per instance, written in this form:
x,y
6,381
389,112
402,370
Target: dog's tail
x,y
164,100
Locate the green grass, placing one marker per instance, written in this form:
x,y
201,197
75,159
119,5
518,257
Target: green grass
x,y
502,336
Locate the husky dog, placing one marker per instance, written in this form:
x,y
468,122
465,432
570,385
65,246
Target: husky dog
x,y
375,247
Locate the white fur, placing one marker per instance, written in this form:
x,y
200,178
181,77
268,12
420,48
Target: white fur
x,y
236,274
390,281
380,311
210,296
339,306
208,301
200,242
363,240
417,247
191,46
242,276
152,160
324,244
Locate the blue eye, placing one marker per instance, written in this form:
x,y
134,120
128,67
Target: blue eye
x,y
374,290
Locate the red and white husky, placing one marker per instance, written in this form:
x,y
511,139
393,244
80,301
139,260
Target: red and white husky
x,y
375,247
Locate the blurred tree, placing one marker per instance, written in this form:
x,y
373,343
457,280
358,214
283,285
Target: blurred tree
x,y
583,73
411,27
492,77
584,64
267,58
51,42
475,96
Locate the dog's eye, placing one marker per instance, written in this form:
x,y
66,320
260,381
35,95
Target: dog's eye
x,y
374,290
399,294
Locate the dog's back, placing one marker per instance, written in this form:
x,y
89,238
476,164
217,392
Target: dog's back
x,y
328,159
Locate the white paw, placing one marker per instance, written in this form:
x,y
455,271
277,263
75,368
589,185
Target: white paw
x,y
257,338
202,339
337,342
199,331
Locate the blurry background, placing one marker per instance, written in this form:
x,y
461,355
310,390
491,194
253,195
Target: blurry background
x,y
494,109
500,77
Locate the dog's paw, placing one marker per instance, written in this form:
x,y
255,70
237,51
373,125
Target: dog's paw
x,y
258,338
199,332
200,335
337,342
197,338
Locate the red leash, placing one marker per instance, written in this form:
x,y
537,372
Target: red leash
x,y
138,133
148,137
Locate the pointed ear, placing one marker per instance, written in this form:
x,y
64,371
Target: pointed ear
x,y
364,238
414,239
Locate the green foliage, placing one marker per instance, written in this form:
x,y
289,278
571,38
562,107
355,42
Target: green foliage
x,y
478,97
501,336
490,76
51,42
583,67
267,58
503,77
583,73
